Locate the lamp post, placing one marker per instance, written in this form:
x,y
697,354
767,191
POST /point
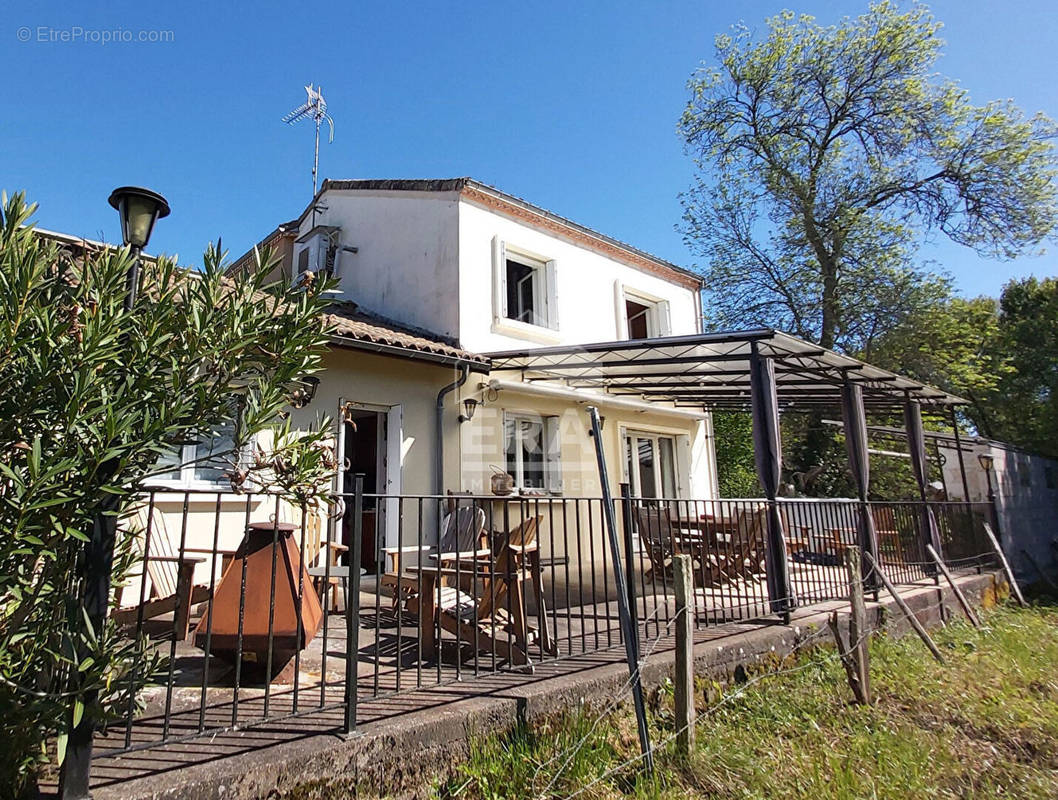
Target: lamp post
x,y
139,209
987,462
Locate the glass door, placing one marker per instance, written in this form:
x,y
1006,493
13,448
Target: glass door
x,y
651,465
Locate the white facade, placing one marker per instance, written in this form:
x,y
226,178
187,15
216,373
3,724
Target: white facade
x,y
489,272
584,288
406,264
430,259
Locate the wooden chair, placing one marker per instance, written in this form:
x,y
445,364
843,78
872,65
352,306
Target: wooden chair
x,y
750,542
888,534
462,534
656,536
170,575
323,558
487,609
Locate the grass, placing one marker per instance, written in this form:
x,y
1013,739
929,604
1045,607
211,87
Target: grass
x,y
983,725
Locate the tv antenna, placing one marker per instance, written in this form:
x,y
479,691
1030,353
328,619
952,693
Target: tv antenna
x,y
315,108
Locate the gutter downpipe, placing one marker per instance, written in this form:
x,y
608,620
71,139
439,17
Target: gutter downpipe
x,y
439,455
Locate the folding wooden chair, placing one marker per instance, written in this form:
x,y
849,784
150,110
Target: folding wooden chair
x,y
487,609
462,535
323,556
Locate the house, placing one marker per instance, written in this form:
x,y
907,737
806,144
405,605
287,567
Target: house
x,y
433,276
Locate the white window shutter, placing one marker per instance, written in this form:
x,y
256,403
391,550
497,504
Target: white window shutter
x,y
620,312
553,454
551,280
499,279
664,319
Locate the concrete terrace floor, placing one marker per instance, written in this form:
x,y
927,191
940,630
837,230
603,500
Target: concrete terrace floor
x,y
429,704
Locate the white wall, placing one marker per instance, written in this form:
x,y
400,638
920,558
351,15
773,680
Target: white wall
x,y
425,260
585,285
408,251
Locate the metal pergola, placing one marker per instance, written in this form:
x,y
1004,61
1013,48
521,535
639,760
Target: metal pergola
x,y
712,371
765,372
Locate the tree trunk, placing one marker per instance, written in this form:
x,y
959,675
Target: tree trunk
x,y
828,329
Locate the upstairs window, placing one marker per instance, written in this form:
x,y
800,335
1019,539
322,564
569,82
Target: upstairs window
x,y
524,284
525,293
640,316
640,322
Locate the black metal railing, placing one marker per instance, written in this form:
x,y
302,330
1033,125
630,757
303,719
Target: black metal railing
x,y
264,612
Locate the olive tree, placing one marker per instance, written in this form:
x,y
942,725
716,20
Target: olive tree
x,y
91,397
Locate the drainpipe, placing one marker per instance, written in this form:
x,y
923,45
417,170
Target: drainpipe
x,y
440,452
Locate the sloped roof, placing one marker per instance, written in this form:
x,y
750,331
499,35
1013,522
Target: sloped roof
x,y
352,327
360,330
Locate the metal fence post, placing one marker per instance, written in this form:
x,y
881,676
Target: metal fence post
x,y
630,562
98,563
631,633
352,608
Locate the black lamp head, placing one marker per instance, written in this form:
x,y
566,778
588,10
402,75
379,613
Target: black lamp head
x,y
139,209
303,395
470,405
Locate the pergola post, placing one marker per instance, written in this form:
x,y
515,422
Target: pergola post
x,y
855,419
916,443
962,464
767,450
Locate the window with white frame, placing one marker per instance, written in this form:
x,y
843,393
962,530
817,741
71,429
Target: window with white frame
x,y
650,464
640,316
206,461
525,289
532,449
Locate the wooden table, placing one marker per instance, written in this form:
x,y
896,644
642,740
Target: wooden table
x,y
714,527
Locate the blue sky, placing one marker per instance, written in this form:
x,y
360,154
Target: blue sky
x,y
572,106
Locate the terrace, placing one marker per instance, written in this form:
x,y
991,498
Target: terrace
x,y
487,586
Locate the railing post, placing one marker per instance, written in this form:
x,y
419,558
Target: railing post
x,y
630,564
352,608
98,562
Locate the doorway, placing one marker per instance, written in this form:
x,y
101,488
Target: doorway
x,y
650,465
372,445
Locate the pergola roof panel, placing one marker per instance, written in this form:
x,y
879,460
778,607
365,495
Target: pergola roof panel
x,y
712,370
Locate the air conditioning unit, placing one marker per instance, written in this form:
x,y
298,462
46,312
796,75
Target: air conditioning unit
x,y
318,251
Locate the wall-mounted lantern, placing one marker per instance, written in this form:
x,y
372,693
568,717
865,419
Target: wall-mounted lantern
x,y
303,395
470,405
